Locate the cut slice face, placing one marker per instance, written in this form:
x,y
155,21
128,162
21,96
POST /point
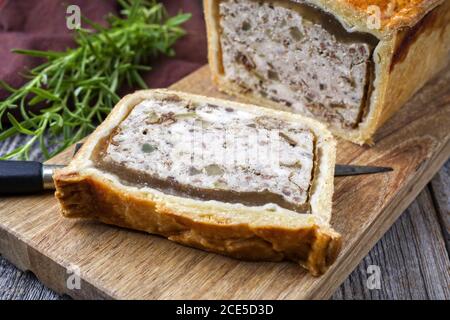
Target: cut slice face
x,y
298,56
206,151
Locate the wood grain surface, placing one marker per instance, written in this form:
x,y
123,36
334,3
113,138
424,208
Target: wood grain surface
x,y
117,263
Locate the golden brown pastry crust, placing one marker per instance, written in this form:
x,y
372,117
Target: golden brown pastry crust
x,y
414,48
241,232
395,14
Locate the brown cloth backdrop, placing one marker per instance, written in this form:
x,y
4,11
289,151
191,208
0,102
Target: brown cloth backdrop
x,y
41,25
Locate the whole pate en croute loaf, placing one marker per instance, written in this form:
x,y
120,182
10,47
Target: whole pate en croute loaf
x,y
239,180
350,64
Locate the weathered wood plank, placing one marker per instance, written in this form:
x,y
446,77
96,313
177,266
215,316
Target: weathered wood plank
x,y
15,284
412,258
440,186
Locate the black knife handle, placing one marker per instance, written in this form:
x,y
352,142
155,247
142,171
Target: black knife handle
x,y
18,177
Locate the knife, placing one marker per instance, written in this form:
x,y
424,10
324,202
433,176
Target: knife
x,y
24,177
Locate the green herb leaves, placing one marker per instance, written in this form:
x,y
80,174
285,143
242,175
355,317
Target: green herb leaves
x,y
78,87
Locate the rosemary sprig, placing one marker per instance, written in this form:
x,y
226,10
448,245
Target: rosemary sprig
x,y
78,87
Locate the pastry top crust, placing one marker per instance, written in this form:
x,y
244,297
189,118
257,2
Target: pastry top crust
x,y
402,12
395,14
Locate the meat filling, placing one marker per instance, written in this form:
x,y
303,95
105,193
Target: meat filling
x,y
298,56
208,152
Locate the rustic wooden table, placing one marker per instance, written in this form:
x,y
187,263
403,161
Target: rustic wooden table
x,y
413,256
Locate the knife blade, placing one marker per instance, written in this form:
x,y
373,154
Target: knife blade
x,y
25,177
339,171
350,170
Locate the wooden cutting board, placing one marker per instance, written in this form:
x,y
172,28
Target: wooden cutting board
x,y
124,264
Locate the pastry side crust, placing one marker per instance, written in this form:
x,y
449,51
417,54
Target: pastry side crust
x,y
404,62
418,54
250,233
313,247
